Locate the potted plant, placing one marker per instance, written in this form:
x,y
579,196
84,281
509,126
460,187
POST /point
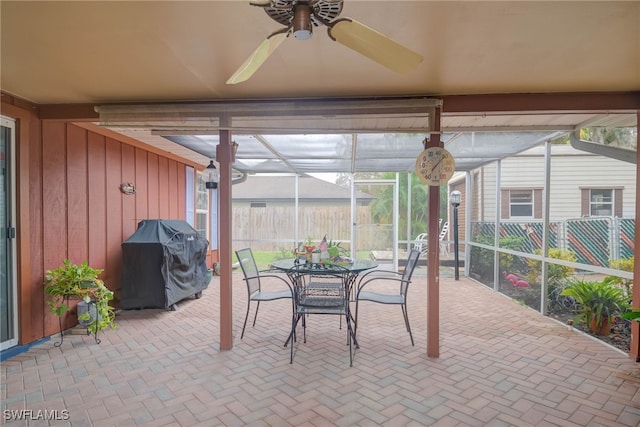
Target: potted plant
x,y
599,303
309,247
71,281
334,249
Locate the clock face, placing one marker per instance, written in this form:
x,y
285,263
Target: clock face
x,y
435,166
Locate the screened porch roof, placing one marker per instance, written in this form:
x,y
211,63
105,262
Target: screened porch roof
x,y
343,136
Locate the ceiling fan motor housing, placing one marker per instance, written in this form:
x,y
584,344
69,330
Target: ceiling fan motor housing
x,y
321,11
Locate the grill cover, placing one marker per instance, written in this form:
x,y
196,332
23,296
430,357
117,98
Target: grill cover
x,y
163,262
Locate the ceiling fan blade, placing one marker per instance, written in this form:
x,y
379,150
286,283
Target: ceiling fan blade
x,y
257,58
374,45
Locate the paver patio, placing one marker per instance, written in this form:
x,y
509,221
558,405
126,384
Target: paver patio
x,y
500,364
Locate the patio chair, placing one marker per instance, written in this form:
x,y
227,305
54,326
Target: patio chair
x,y
324,293
444,245
399,298
253,278
421,243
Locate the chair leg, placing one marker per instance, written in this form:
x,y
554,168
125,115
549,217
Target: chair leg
x,y
406,322
294,323
256,315
304,329
355,326
246,316
349,339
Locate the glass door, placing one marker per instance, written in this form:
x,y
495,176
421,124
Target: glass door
x,y
8,282
376,221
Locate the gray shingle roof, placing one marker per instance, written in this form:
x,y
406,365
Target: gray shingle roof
x,y
282,188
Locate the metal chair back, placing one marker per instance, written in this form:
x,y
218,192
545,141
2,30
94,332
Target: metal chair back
x,y
249,269
412,262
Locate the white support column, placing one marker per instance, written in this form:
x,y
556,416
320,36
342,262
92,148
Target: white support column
x,y
545,226
396,215
296,225
496,234
468,208
409,229
353,216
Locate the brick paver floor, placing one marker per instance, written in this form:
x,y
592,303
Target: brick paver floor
x,y
500,364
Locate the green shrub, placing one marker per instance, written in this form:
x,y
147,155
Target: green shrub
x,y
598,301
482,259
624,264
556,273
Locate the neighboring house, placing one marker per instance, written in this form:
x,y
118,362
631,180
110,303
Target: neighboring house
x,y
265,215
582,185
591,201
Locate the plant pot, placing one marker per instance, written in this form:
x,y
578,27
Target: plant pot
x,y
87,307
310,249
603,329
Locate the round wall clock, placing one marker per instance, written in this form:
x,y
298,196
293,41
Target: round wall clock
x,y
435,166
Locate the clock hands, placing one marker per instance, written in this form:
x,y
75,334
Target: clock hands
x,y
435,166
437,163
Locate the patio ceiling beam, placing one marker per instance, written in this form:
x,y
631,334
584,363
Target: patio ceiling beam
x,y
354,151
155,114
519,103
275,152
522,103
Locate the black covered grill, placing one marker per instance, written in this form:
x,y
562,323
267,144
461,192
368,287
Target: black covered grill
x,y
163,262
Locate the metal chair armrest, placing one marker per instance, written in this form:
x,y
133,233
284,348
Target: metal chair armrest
x,y
380,273
275,276
370,280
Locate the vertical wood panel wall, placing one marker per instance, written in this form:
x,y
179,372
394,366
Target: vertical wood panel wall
x,y
76,202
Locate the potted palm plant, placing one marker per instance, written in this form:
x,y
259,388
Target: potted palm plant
x,y
599,303
71,281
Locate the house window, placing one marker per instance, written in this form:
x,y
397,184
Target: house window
x,y
202,208
601,202
521,203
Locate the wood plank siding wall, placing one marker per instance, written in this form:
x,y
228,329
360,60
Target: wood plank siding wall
x,y
70,204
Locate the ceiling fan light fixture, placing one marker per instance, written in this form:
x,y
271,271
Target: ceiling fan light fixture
x,y
302,27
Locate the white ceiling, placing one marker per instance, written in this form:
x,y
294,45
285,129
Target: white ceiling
x,y
98,52
114,51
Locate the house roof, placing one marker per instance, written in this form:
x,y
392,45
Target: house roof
x,y
280,188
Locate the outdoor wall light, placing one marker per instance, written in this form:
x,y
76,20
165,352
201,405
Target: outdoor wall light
x,y
211,176
455,198
127,188
235,151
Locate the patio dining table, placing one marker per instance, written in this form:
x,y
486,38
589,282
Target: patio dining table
x,y
352,268
355,267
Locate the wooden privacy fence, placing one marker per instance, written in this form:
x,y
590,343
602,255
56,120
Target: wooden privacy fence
x,y
273,228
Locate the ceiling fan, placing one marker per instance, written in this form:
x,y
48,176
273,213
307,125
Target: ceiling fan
x,y
299,17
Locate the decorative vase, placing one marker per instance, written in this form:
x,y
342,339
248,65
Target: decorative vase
x,y
603,329
87,307
310,249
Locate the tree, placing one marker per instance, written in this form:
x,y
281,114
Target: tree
x,y
618,137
